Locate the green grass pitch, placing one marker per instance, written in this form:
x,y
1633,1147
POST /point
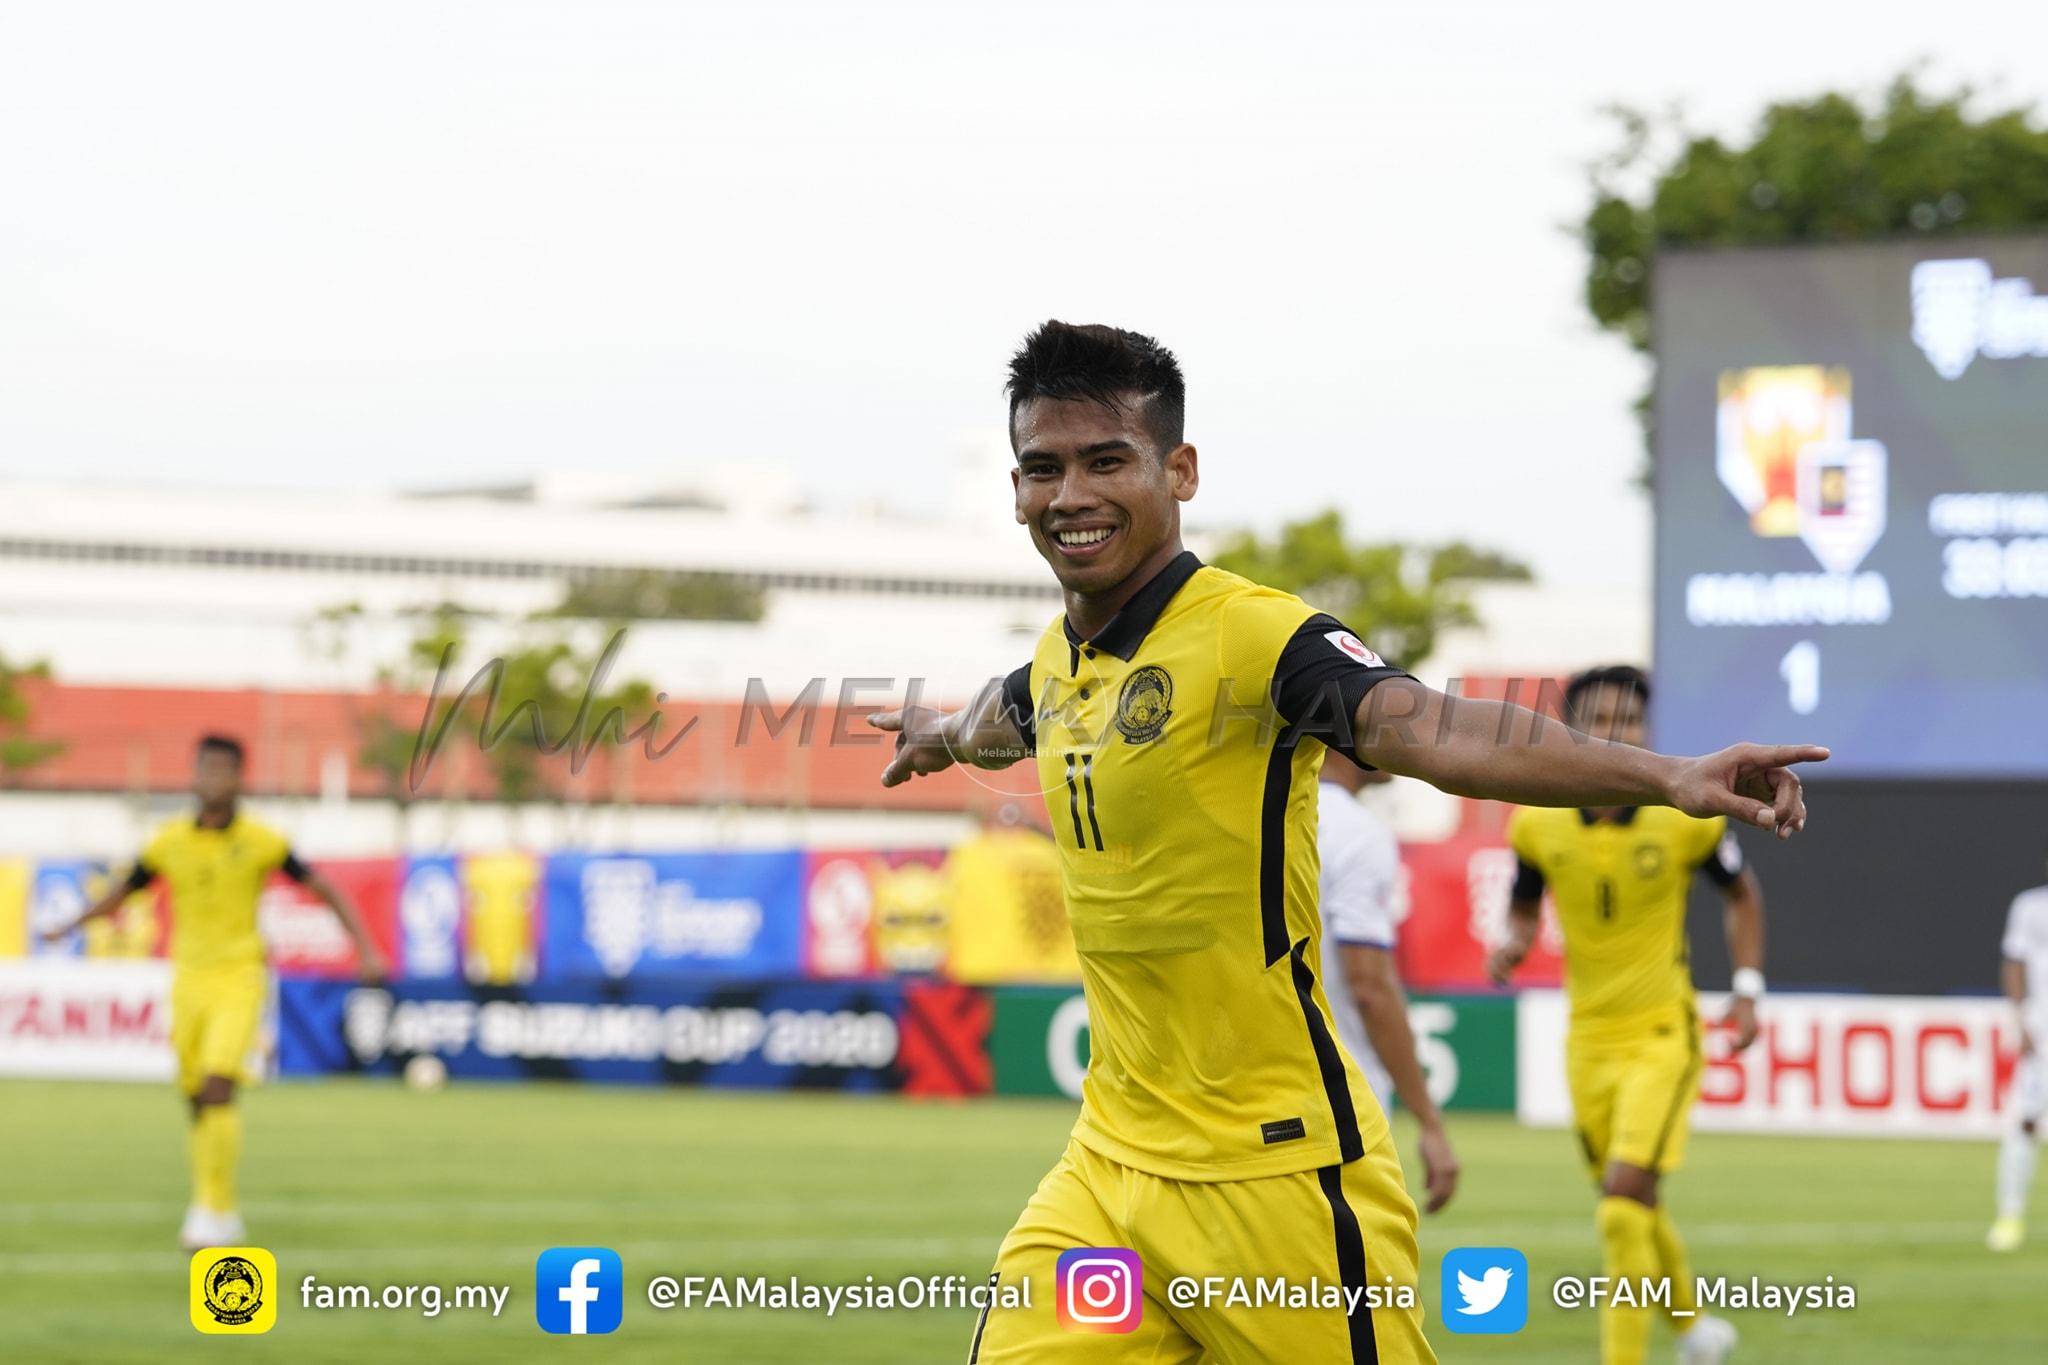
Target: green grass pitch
x,y
364,1182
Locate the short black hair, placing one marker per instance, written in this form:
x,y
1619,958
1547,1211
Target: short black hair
x,y
224,744
1104,365
1626,676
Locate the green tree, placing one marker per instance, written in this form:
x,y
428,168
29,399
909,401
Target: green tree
x,y
18,752
1831,168
550,694
1402,596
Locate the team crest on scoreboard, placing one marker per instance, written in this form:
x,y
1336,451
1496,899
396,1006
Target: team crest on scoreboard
x,y
1782,449
1144,705
1841,501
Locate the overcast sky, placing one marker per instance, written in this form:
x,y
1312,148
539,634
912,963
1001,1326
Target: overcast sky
x,y
402,244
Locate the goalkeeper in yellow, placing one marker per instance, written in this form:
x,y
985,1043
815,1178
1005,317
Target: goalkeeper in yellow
x,y
1618,876
214,864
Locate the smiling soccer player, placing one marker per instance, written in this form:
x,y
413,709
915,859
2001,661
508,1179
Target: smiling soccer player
x,y
1178,715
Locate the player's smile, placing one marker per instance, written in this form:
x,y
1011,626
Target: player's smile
x,y
1082,540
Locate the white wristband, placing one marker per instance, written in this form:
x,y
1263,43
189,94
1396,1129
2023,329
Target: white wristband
x,y
1748,983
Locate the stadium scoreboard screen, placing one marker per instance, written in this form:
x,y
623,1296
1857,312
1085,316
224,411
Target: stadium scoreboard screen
x,y
1852,504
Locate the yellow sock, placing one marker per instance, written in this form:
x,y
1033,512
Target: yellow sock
x,y
216,1151
1674,1266
1629,1232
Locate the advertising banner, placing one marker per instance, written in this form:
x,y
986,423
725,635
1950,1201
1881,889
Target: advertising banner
x,y
1039,1042
800,1034
1853,1065
1466,1045
869,912
103,1020
610,916
430,919
1458,892
305,938
1009,912
15,875
944,1045
474,918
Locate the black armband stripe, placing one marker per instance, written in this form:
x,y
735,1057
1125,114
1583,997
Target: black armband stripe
x,y
1021,707
1317,686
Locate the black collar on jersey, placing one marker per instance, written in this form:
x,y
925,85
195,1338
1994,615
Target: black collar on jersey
x,y
1129,627
1626,815
199,819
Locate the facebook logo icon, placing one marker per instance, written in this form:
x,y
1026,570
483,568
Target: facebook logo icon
x,y
578,1291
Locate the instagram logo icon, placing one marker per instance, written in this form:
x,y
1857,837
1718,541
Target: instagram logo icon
x,y
1100,1289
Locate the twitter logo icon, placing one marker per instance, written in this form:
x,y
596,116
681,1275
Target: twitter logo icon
x,y
1485,1290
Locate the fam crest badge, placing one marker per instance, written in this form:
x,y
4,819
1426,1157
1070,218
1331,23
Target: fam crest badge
x,y
1143,706
229,1287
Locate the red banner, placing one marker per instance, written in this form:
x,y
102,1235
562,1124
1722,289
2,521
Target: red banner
x,y
868,912
1458,891
943,1040
304,936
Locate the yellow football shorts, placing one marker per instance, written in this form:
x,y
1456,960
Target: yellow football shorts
x,y
1633,1092
1348,1225
215,1012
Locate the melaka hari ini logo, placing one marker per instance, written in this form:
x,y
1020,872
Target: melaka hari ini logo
x,y
1783,450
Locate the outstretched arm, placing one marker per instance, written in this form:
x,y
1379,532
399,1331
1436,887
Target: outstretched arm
x,y
1502,752
110,900
986,733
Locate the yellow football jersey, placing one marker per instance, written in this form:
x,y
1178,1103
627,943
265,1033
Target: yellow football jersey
x,y
215,878
1178,751
1619,886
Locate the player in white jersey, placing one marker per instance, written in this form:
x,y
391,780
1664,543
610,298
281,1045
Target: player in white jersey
x,y
2025,977
1363,904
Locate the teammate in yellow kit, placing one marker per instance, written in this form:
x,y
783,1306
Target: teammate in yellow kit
x,y
1178,715
1618,876
214,863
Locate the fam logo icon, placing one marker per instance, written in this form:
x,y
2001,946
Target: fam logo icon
x,y
231,1290
1782,449
579,1291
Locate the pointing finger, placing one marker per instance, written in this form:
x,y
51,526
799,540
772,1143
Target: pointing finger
x,y
1782,755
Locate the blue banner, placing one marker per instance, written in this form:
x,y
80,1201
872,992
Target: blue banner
x,y
613,916
810,1034
59,894
430,919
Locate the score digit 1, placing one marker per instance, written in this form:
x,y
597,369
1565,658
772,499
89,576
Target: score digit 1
x,y
1800,668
